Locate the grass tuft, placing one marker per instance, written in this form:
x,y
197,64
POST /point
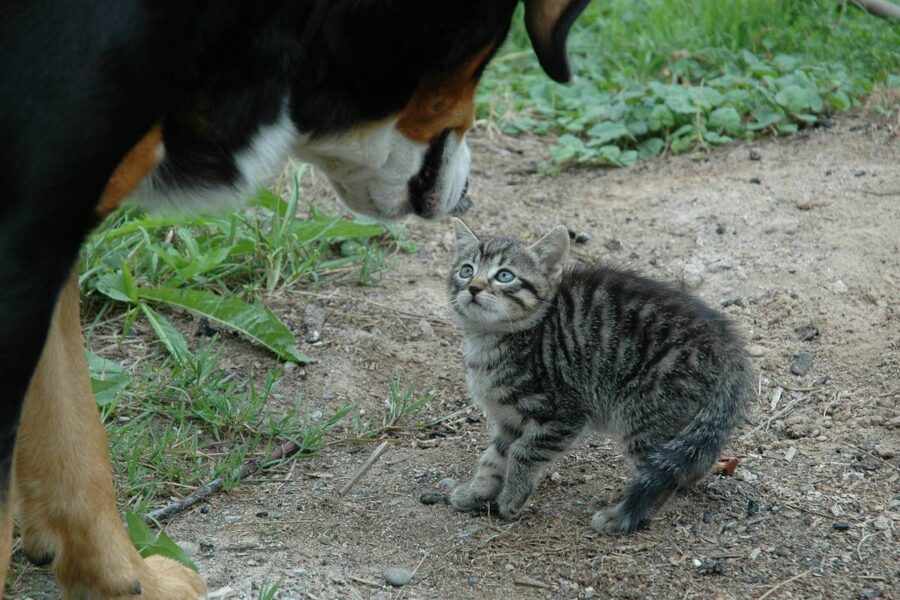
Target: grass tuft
x,y
655,76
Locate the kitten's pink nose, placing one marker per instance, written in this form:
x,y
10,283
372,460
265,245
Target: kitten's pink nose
x,y
474,289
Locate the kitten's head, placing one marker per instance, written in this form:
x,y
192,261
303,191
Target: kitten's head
x,y
502,285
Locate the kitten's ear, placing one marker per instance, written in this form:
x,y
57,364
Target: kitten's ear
x,y
464,236
552,249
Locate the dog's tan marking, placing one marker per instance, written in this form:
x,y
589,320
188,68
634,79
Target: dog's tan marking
x,y
65,502
139,161
442,103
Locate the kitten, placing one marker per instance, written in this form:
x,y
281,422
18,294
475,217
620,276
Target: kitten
x,y
552,351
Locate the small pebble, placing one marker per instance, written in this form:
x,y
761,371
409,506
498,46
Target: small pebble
x,y
314,319
802,363
587,593
289,367
840,525
447,484
838,287
881,523
397,577
807,332
754,154
555,477
757,351
884,451
754,554
613,245
755,181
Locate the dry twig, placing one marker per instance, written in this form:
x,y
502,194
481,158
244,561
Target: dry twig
x,y
250,467
784,583
365,467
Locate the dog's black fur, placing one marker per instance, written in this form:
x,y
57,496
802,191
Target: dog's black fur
x,y
81,82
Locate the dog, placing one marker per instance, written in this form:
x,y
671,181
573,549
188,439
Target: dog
x,y
185,103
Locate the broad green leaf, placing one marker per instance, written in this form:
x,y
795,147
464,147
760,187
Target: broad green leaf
x,y
787,128
725,118
253,320
108,379
305,231
714,138
705,97
785,62
661,118
806,118
793,97
603,133
128,283
167,334
112,286
765,117
839,100
651,147
148,544
628,157
680,103
638,128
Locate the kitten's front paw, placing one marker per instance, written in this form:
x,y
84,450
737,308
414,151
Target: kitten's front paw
x,y
508,512
614,521
510,507
469,498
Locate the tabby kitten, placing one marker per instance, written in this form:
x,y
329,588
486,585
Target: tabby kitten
x,y
551,351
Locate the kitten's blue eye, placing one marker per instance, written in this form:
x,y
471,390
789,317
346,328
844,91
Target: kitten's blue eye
x,y
504,276
467,271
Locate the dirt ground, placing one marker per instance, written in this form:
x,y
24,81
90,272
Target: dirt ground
x,y
799,244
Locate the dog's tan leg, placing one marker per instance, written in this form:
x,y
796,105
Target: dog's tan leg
x,y
64,494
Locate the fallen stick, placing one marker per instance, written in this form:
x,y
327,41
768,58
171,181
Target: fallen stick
x,y
365,467
529,582
250,467
788,408
783,583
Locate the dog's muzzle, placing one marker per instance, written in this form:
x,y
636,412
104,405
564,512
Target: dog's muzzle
x,y
424,196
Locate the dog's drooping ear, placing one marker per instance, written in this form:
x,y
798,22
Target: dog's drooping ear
x,y
548,23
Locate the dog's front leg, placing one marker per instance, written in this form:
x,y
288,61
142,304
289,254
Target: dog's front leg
x,y
63,481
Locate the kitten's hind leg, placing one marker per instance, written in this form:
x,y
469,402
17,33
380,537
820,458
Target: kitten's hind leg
x,y
645,493
529,457
488,480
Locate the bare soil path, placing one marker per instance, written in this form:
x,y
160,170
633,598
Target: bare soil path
x,y
800,246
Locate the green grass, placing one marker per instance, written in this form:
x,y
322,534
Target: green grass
x,y
178,418
654,76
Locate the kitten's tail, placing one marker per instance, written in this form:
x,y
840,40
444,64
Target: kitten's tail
x,y
693,451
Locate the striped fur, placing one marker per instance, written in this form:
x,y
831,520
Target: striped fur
x,y
551,352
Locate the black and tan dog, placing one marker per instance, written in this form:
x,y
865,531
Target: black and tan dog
x,y
186,102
